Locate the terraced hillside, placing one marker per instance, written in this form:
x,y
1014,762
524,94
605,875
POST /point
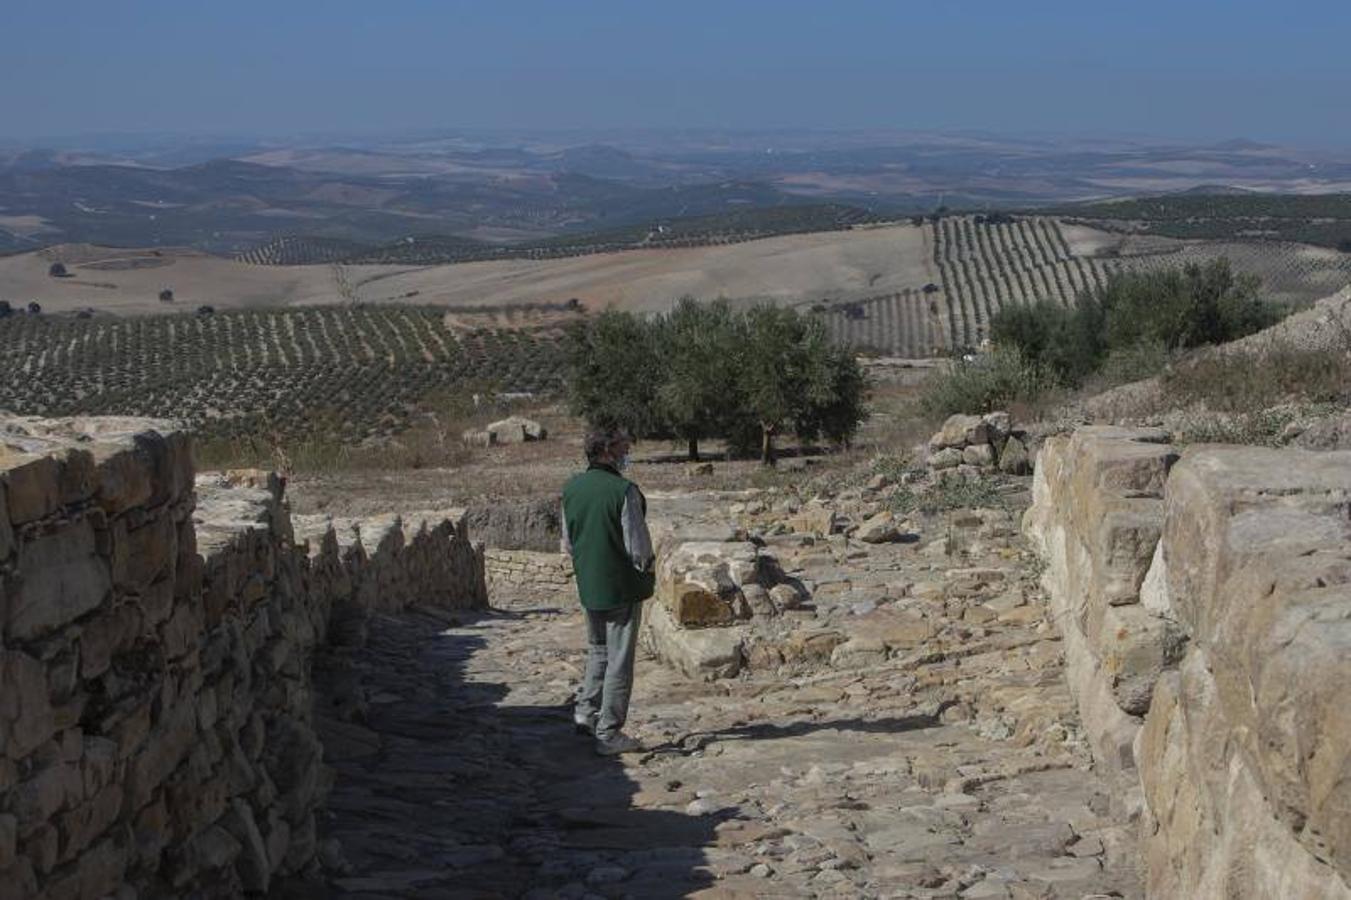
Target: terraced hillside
x,y
909,323
979,264
349,373
987,265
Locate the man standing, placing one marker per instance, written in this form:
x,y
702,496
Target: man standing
x,y
605,532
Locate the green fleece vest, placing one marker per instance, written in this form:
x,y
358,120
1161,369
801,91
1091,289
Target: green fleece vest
x,y
593,509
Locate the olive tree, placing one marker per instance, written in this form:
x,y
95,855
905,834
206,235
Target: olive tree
x,y
698,345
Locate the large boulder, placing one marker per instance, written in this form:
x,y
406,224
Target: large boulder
x,y
879,529
960,431
516,430
524,525
700,582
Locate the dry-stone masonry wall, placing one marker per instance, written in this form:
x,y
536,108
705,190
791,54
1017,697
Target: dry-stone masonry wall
x,y
156,634
513,574
1205,600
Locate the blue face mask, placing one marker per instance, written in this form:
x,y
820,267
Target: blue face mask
x,y
623,462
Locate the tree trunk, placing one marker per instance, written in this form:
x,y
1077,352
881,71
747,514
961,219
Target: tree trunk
x,y
767,446
694,449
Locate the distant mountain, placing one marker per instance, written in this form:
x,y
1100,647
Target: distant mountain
x,y
1216,190
511,188
228,206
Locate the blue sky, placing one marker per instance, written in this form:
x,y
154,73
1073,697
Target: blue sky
x,y
1192,70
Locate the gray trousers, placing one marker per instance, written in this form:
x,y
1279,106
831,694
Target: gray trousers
x,y
612,639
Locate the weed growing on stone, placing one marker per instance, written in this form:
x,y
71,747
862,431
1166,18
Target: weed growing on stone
x,y
947,494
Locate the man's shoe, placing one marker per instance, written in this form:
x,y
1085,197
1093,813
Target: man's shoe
x,y
617,744
584,725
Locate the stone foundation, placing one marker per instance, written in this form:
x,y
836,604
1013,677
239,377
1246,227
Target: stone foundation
x,y
156,723
1206,609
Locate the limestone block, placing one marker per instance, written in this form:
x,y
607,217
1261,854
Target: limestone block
x,y
810,645
516,429
25,705
1208,831
695,581
1134,648
787,596
143,555
1294,499
999,424
33,489
105,635
1014,458
947,458
879,529
164,747
959,431
902,632
815,520
60,578
1124,541
981,455
859,651
1154,588
706,654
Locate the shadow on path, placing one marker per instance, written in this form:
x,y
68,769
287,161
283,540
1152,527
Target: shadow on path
x,y
451,784
765,731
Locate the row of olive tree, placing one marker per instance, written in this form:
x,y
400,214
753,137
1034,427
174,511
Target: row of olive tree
x,y
706,370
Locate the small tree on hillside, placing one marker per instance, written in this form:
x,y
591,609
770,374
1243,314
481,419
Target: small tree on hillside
x,y
166,296
792,377
57,270
699,345
614,373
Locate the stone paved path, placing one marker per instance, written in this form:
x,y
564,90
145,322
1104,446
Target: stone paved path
x,y
458,775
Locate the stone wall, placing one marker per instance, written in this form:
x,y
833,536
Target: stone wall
x,y
521,525
1096,516
156,636
1205,601
516,574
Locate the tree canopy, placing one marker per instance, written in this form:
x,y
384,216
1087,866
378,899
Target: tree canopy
x,y
705,370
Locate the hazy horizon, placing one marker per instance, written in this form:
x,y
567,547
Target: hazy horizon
x,y
1205,73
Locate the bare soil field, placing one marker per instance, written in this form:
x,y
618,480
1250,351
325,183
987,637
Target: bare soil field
x,y
792,269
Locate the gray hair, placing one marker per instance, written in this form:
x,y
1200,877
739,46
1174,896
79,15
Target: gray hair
x,y
600,440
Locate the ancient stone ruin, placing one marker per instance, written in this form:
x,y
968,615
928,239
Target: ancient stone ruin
x,y
156,698
1204,597
161,728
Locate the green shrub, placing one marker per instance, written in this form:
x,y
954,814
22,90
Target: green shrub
x,y
946,494
985,383
1133,323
